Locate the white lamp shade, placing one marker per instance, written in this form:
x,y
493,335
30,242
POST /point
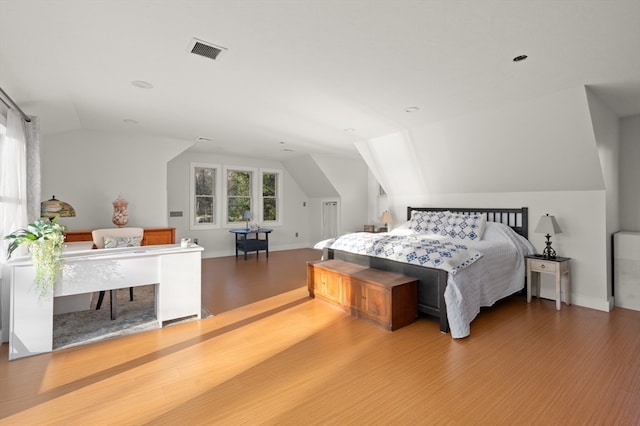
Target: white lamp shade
x,y
386,217
548,225
246,215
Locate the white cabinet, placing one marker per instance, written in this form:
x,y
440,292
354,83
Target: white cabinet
x,y
626,267
175,271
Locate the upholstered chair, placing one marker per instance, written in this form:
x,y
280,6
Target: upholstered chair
x,y
113,238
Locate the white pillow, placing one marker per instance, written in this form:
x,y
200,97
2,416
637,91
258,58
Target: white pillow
x,y
404,225
499,232
114,242
429,222
465,227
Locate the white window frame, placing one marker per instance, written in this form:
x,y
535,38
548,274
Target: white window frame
x,y
217,195
257,206
279,196
254,191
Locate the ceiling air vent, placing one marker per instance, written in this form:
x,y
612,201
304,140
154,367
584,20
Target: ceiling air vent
x,y
202,48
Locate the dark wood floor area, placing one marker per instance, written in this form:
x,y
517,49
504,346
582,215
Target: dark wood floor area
x,y
272,356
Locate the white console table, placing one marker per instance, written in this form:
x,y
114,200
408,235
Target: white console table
x,y
176,271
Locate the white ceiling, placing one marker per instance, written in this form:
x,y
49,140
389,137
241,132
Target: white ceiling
x,y
299,72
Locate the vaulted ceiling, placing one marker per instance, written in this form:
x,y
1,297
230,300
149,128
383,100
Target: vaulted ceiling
x,y
296,75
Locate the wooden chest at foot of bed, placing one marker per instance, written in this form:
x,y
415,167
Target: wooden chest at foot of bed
x,y
387,299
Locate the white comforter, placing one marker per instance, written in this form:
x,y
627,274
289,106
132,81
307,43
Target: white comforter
x,y
499,273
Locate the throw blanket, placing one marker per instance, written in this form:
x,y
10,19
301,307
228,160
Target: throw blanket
x,y
449,255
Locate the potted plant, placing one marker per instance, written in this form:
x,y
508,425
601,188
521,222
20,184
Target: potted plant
x,y
44,239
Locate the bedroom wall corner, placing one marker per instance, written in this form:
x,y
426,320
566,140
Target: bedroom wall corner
x,y
606,130
527,146
219,242
89,169
629,173
349,177
581,215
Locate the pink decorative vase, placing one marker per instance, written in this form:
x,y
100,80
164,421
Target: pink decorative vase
x,y
120,214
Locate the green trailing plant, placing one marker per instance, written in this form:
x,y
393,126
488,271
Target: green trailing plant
x,y
44,239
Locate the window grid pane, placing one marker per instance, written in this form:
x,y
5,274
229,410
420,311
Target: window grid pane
x,y
239,183
205,199
270,196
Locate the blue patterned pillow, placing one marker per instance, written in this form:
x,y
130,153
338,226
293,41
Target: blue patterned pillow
x,y
114,242
465,227
428,222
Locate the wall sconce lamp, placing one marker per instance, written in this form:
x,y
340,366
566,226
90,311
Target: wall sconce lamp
x,y
386,218
548,225
247,216
55,208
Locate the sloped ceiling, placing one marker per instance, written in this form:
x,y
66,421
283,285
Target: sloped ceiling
x,y
542,144
309,175
296,74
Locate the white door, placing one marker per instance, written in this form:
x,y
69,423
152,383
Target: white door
x,y
329,219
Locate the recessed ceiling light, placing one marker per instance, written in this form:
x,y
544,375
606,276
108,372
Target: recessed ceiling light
x,y
520,58
142,84
411,109
130,121
350,130
287,150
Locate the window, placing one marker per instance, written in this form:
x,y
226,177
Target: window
x,y
205,190
271,189
240,194
258,191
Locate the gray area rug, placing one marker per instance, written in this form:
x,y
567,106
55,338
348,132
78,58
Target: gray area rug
x,y
78,328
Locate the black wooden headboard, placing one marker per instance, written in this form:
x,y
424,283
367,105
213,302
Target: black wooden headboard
x,y
517,219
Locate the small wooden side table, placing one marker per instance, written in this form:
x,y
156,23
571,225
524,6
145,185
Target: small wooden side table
x,y
251,244
371,228
558,266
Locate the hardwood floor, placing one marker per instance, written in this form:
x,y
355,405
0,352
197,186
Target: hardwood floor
x,y
271,355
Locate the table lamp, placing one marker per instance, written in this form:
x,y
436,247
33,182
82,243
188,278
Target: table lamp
x,y
386,218
548,225
247,216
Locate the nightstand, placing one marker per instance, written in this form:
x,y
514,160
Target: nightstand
x,y
559,267
371,228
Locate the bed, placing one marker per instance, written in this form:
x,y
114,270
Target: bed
x,y
490,266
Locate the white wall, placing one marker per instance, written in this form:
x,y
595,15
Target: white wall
x,y
311,178
630,173
606,129
580,215
89,169
219,242
531,145
540,153
350,178
378,204
331,178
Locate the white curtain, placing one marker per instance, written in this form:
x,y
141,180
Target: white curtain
x,y
19,176
34,193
